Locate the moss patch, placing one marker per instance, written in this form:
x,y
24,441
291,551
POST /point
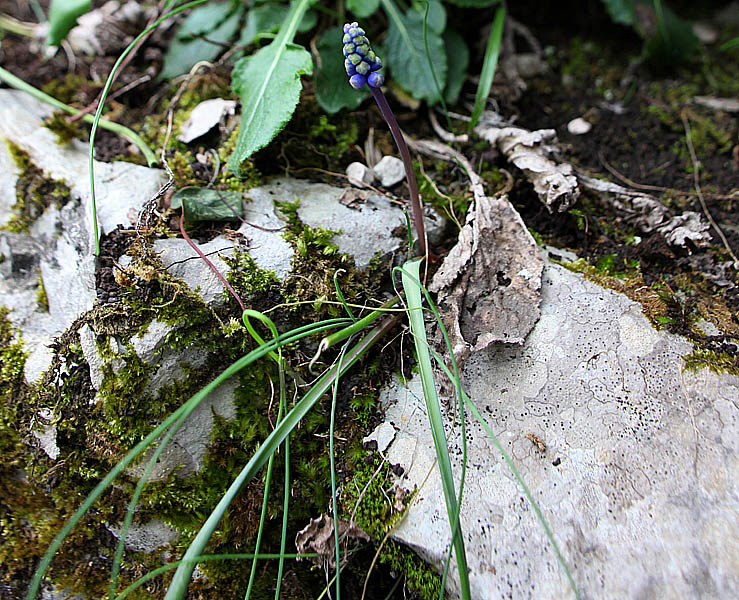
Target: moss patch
x,y
34,191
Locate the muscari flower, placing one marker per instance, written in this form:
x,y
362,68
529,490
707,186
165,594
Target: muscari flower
x,y
361,63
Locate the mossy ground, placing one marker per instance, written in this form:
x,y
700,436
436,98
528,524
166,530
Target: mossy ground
x,y
34,191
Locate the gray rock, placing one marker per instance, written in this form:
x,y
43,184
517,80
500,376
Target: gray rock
x,y
366,231
359,174
60,241
186,450
636,472
389,171
21,120
382,435
147,537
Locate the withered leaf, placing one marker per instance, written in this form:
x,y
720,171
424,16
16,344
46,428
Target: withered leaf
x,y
489,284
318,537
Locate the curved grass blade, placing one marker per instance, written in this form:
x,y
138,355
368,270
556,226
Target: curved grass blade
x,y
456,380
203,558
182,411
411,277
489,65
181,579
103,97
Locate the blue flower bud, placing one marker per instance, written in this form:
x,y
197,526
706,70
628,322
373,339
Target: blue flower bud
x,y
361,64
357,81
376,80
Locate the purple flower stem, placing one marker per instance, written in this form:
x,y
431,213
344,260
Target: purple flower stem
x,y
405,154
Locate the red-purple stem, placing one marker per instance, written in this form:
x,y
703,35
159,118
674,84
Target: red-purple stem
x,y
207,261
406,156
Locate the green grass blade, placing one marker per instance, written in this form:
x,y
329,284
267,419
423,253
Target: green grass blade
x,y
411,276
181,579
202,558
332,464
489,64
104,95
131,135
134,502
182,411
455,378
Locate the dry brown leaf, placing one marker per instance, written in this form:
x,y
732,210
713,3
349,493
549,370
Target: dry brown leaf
x,y
488,286
648,214
533,152
318,537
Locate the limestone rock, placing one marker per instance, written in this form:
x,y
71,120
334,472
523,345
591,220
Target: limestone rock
x,y
390,170
632,460
359,174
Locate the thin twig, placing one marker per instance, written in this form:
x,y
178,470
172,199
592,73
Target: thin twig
x,y
701,199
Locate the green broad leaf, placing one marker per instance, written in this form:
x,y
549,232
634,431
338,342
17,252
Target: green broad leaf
x,y
474,3
362,8
405,52
458,57
268,84
63,16
267,18
206,204
218,22
621,11
333,91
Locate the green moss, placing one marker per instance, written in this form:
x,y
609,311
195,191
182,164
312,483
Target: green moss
x,y
42,300
718,362
366,497
34,191
64,130
71,88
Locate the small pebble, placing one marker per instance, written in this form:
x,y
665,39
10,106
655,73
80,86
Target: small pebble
x,y
359,175
579,126
390,171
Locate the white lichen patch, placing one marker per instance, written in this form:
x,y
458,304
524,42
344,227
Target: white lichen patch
x,y
632,460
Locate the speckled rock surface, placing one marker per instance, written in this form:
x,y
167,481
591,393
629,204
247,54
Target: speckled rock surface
x,y
638,471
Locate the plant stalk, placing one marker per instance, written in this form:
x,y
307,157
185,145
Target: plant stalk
x,y
405,154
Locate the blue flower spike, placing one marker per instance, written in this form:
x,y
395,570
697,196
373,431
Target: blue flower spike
x,y
361,63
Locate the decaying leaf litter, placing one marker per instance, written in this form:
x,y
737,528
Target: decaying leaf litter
x,y
487,283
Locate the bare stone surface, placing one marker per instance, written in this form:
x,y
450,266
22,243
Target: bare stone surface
x,y
636,472
390,170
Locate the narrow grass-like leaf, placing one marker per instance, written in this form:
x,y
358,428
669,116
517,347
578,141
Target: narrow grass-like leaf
x,y
489,65
182,411
104,95
410,277
203,558
63,16
268,84
461,394
181,579
407,57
